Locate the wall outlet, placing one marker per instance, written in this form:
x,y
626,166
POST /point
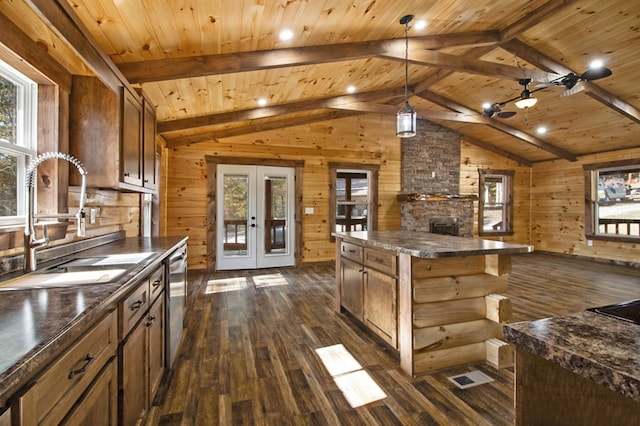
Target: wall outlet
x,y
309,210
590,243
92,216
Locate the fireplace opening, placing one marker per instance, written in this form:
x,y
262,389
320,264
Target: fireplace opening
x,y
444,226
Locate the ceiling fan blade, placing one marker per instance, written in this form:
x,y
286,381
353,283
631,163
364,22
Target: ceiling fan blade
x,y
506,114
596,73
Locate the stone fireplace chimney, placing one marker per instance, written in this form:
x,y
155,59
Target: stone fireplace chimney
x,y
431,182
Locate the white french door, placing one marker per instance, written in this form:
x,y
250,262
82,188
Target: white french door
x,y
255,217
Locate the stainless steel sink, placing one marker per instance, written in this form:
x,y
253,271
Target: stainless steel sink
x,y
79,271
626,311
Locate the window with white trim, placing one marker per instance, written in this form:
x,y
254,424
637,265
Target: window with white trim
x,y
18,136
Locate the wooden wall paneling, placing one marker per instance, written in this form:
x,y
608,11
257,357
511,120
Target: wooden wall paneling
x,y
360,139
557,211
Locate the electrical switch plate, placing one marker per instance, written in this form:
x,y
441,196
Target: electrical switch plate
x,y
309,210
92,216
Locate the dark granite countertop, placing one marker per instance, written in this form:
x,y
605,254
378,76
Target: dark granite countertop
x,y
431,246
36,323
597,347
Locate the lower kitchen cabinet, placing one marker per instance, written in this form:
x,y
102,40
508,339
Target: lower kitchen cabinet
x,y
79,383
369,288
352,289
141,352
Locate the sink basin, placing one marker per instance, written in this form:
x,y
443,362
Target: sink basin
x,y
79,271
626,311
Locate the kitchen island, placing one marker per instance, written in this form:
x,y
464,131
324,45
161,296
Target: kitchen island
x,y
582,368
433,298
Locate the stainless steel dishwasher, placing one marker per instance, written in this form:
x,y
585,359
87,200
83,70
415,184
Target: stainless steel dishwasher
x,y
176,302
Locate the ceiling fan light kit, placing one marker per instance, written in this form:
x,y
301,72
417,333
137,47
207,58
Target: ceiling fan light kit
x,y
406,117
525,100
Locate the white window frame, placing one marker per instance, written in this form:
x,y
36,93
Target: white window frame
x,y
25,146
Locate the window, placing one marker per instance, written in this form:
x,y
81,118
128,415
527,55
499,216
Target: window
x,y
612,206
354,197
18,107
495,206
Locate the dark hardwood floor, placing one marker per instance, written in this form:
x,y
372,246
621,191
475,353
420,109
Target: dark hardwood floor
x,y
249,353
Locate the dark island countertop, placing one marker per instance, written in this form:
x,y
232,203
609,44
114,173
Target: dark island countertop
x,y
594,346
430,246
35,324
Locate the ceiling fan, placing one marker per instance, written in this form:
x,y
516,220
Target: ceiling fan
x,y
525,100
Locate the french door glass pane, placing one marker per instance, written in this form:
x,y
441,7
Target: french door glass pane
x,y
236,207
276,213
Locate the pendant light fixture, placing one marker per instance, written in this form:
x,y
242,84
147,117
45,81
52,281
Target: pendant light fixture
x,y
406,118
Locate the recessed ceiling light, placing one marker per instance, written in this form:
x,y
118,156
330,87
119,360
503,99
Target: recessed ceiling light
x,y
262,101
420,25
286,35
541,130
351,89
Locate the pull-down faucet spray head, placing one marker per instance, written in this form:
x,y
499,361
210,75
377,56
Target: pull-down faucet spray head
x,y
30,240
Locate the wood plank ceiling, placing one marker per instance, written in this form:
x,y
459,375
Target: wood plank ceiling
x,y
206,63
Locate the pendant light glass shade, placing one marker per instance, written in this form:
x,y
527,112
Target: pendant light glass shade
x,y
406,117
406,122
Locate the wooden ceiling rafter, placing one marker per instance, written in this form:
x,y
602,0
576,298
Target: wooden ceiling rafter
x,y
255,127
199,66
275,110
511,131
540,60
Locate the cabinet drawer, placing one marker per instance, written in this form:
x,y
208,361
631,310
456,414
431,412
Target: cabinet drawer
x,y
156,283
381,260
351,251
133,307
56,391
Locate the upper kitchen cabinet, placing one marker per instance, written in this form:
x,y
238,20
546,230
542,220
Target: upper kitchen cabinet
x,y
108,133
148,144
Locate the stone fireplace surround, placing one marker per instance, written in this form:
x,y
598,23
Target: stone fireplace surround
x,y
431,180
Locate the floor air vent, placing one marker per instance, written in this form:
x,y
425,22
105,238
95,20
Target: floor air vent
x,y
470,379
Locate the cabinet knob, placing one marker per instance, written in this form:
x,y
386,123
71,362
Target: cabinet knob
x,y
156,283
126,174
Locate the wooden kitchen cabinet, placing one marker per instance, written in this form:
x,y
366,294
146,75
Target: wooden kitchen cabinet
x,y
352,289
369,288
77,384
142,349
131,142
106,131
149,180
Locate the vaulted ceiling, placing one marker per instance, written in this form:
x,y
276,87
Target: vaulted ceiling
x,y
205,64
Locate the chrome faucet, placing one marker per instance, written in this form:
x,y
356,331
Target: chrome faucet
x,y
31,243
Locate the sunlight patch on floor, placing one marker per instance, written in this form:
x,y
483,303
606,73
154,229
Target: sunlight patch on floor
x,y
356,385
225,285
269,280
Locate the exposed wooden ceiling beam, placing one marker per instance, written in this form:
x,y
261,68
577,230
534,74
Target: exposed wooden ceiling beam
x,y
421,113
279,123
471,65
511,131
273,111
591,89
491,148
533,18
197,66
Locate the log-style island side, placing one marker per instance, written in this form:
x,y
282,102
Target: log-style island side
x,y
434,298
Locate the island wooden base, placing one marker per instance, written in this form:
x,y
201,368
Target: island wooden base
x,y
547,394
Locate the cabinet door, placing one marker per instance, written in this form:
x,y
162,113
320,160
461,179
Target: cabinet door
x,y
134,376
99,406
131,139
149,146
156,326
351,287
380,305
